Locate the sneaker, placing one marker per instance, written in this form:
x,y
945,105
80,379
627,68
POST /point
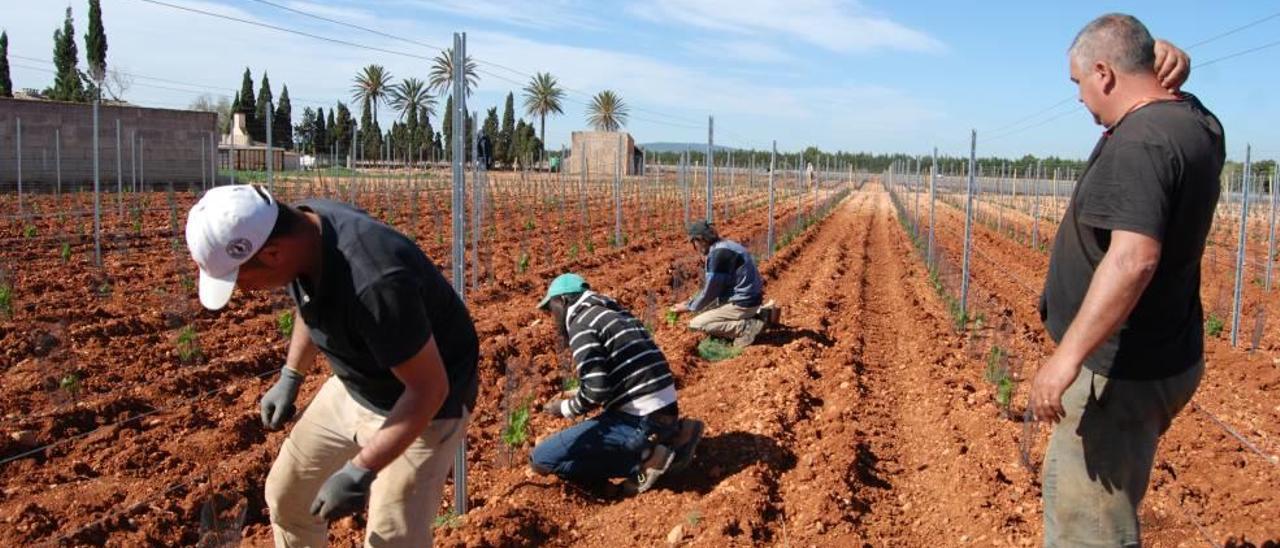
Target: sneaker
x,y
748,336
654,467
686,444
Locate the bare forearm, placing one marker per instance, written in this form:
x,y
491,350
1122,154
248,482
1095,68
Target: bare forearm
x,y
302,350
409,418
1114,290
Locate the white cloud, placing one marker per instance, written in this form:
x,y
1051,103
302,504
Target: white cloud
x,y
749,51
843,26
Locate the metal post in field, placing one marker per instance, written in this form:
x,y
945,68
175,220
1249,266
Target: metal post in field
x,y
203,150
19,157
617,194
933,175
119,156
1244,215
711,127
915,223
773,164
477,186
97,194
270,157
57,158
1035,207
1271,238
968,223
459,194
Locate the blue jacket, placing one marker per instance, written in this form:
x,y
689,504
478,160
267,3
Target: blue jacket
x,y
732,277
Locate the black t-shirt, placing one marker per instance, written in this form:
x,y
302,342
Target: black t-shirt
x,y
1155,173
378,302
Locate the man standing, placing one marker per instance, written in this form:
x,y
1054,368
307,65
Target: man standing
x,y
385,427
731,298
1122,296
639,434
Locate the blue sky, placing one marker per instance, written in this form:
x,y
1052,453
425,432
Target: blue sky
x,y
856,75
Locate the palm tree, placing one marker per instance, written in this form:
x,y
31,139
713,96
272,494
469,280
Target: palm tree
x,y
372,84
441,75
542,97
607,112
411,95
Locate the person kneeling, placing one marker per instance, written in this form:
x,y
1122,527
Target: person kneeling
x,y
639,434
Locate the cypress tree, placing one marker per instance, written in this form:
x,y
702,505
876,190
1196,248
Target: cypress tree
x,y
6,85
259,127
342,129
66,81
282,125
247,105
505,143
446,145
95,45
320,133
332,126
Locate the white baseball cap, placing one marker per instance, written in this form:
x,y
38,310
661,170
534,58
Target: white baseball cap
x,y
224,229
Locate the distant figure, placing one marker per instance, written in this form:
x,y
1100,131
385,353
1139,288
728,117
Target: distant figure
x,y
731,302
638,433
485,152
1122,295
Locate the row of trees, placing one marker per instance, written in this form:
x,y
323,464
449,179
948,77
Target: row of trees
x,y
414,100
257,110
69,82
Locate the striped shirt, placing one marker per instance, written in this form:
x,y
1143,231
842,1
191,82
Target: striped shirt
x,y
618,364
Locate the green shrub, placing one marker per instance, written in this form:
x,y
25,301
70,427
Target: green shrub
x,y
70,384
284,324
522,264
570,383
65,252
714,350
1213,325
188,345
29,231
995,365
516,431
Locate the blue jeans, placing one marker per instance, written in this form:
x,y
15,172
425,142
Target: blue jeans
x,y
609,445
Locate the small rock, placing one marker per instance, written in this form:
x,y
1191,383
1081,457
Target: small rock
x,y
24,437
964,539
676,535
844,385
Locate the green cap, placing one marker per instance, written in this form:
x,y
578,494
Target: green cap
x,y
564,284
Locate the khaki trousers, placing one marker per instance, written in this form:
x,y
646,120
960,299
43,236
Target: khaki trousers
x,y
403,500
1100,456
726,321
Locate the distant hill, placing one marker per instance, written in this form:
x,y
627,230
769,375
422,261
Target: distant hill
x,y
680,147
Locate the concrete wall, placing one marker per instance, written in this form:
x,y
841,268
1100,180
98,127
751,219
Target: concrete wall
x,y
157,146
601,150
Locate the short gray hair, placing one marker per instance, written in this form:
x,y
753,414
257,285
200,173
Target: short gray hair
x,y
1117,38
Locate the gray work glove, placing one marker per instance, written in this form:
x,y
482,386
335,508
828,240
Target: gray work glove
x,y
277,404
344,493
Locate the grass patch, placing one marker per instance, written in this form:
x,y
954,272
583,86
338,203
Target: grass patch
x,y
284,324
522,264
714,350
671,318
70,384
449,520
516,432
570,383
29,232
65,252
1213,325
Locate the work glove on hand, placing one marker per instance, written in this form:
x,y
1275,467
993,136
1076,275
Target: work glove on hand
x,y
554,408
277,404
344,493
